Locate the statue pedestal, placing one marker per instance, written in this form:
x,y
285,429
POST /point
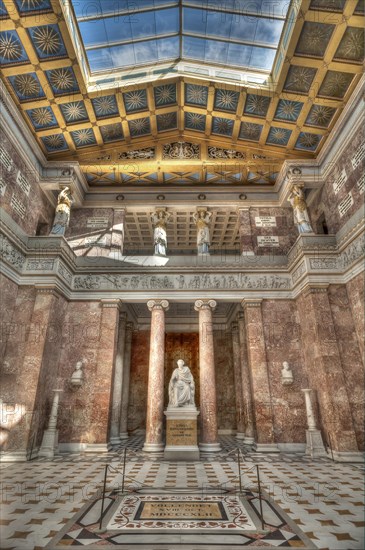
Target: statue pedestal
x,y
181,433
315,445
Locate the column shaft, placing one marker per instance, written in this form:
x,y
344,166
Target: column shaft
x,y
208,398
123,426
238,382
155,395
118,381
246,382
265,440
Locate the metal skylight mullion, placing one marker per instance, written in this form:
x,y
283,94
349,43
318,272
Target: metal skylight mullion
x,y
187,4
127,12
134,41
180,30
231,41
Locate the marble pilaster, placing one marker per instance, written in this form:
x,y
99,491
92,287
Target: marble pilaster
x,y
155,392
118,381
245,231
102,401
238,381
249,424
265,439
23,436
324,367
123,425
208,398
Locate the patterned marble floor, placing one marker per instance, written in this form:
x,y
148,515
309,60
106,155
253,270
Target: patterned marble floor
x,y
325,499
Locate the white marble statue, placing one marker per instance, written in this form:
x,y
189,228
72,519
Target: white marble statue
x,y
77,375
301,217
160,219
202,220
62,215
286,374
181,387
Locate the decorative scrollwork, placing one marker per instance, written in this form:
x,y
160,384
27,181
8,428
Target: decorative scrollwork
x,y
181,150
218,153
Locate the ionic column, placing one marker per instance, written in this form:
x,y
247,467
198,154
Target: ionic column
x,y
237,381
246,383
208,400
265,440
155,396
118,381
123,425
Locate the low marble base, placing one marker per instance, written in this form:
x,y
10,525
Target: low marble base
x,y
114,440
249,440
347,456
315,445
240,436
14,456
181,434
181,452
96,448
123,435
210,447
266,448
153,447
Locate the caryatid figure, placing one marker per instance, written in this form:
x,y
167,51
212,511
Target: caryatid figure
x,y
62,215
160,219
202,220
301,217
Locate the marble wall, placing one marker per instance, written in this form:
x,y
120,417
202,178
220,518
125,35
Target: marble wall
x,y
344,186
355,292
283,343
20,194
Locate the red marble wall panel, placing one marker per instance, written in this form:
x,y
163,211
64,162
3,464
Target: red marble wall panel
x,y
37,207
8,292
80,341
327,200
350,356
355,292
224,379
138,380
81,235
283,343
285,230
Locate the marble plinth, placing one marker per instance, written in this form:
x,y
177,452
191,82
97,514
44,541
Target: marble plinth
x,y
315,445
181,433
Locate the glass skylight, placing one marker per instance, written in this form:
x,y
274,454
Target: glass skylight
x,y
239,34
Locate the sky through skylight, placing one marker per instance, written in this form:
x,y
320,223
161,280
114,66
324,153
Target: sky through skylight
x,y
240,34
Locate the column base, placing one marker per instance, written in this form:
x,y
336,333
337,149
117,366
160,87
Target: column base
x,y
347,456
14,456
315,445
210,447
249,440
124,435
240,435
266,448
96,448
153,447
114,440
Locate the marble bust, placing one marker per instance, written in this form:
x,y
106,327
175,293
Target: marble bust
x,y
286,374
181,387
77,375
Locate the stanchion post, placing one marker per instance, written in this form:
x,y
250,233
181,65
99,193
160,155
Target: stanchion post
x,y
260,501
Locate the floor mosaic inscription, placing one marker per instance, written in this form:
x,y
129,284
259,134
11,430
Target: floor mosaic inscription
x,y
181,510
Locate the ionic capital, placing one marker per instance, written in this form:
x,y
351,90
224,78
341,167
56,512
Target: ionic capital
x,y
205,304
158,304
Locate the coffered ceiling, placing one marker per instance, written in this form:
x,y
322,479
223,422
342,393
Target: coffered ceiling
x,y
183,129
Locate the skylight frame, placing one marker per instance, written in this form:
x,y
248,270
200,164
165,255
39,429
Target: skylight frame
x,y
179,66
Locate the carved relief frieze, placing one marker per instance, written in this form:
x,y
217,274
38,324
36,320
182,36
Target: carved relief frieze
x,y
40,264
204,281
10,254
